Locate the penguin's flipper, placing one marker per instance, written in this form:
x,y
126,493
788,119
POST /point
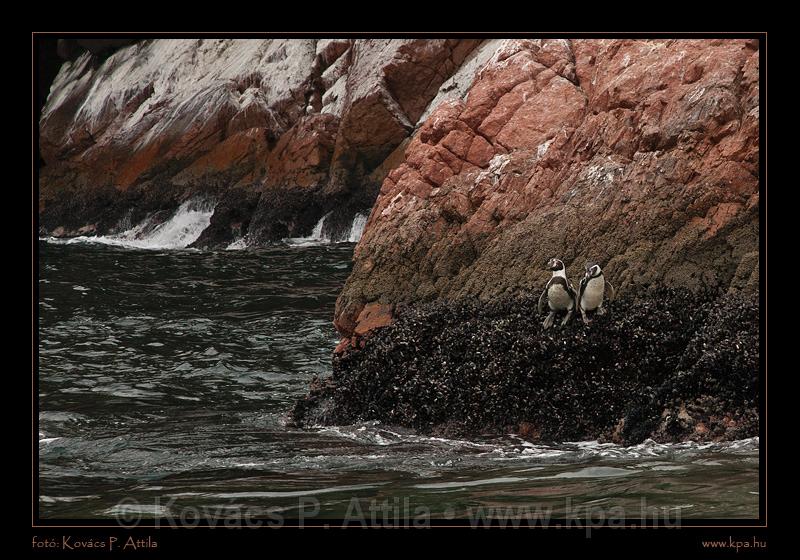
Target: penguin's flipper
x,y
581,287
540,307
611,291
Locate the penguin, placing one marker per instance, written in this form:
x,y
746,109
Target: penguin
x,y
560,295
591,291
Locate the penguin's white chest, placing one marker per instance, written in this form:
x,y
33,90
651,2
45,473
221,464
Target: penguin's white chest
x,y
558,298
592,296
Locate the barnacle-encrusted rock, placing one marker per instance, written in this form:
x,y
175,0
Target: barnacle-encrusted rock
x,y
669,365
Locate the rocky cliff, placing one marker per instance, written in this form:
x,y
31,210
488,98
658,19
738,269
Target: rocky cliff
x,y
486,157
477,161
640,155
276,133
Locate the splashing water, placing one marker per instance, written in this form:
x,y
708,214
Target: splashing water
x,y
165,377
319,237
316,234
237,244
315,238
180,231
357,229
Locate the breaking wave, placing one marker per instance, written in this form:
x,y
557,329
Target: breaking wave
x,y
357,228
320,236
181,230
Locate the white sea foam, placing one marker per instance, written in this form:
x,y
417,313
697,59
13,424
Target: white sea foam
x,y
319,236
66,499
237,244
180,231
513,448
315,238
287,494
374,433
357,228
458,484
137,509
594,472
189,221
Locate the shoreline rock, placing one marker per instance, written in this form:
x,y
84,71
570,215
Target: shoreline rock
x,y
668,365
306,127
478,159
640,155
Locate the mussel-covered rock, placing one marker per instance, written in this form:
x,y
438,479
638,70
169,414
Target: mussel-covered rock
x,y
669,365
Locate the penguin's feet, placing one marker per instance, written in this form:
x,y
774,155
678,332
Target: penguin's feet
x,y
585,317
567,317
601,311
548,322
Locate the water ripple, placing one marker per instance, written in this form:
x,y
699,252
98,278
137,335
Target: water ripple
x,y
167,375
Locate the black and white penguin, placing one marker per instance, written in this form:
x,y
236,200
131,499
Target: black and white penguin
x,y
591,291
560,295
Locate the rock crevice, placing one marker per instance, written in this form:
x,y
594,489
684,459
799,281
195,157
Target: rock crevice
x,y
160,121
636,154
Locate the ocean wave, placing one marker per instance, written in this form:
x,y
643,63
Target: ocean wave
x,y
181,230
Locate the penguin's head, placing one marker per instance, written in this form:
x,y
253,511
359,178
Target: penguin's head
x,y
592,270
555,265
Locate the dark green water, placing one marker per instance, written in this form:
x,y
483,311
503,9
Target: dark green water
x,y
165,378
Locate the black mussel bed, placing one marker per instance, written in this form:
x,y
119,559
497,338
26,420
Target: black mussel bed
x,y
667,364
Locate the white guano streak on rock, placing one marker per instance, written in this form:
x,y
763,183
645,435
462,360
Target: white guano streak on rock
x,y
186,76
457,86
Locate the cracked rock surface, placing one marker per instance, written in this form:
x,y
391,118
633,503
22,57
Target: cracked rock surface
x,y
279,132
639,155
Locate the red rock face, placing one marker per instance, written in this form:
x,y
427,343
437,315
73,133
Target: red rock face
x,y
161,120
388,86
640,155
302,156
